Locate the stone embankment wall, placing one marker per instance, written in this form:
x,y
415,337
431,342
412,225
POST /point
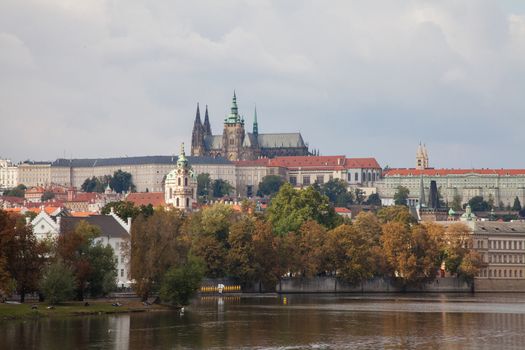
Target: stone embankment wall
x,y
378,285
499,285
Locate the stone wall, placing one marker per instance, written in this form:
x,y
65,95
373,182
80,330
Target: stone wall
x,y
378,285
499,285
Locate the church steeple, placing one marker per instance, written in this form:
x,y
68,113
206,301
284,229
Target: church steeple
x,y
255,124
234,117
197,136
207,126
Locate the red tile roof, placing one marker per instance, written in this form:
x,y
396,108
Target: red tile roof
x,y
144,198
342,210
445,172
314,162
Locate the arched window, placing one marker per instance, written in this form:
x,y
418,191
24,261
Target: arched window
x,y
187,202
171,193
177,202
178,181
185,181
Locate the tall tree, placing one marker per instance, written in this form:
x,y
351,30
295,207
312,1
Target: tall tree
x,y
240,258
158,242
517,205
290,208
311,256
221,188
270,185
413,255
210,229
180,283
58,283
456,202
121,181
267,260
93,264
124,209
204,187
18,191
337,192
478,204
374,199
22,254
401,196
399,213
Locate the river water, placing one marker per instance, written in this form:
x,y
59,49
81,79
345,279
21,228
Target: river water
x,y
394,321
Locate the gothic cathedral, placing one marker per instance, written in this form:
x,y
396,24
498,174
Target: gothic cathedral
x,y
237,144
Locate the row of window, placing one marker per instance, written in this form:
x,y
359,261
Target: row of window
x,y
500,244
511,273
506,258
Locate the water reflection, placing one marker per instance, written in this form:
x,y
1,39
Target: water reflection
x,y
340,322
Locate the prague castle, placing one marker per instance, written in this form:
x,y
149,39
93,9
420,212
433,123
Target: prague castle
x,y
236,144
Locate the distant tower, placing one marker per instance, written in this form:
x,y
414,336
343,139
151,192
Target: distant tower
x,y
421,157
255,124
233,134
421,192
181,184
197,136
207,126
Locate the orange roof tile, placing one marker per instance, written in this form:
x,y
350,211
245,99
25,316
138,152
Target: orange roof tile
x,y
144,198
445,172
314,162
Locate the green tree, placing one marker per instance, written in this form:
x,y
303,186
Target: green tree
x,y
478,204
221,188
204,186
270,185
359,195
18,191
95,184
350,254
290,208
158,243
210,230
374,199
240,258
121,181
180,283
398,213
456,202
102,279
48,195
92,263
58,283
401,196
22,255
517,205
123,209
337,192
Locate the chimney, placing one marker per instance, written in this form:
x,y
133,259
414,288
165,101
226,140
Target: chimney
x,y
59,220
129,224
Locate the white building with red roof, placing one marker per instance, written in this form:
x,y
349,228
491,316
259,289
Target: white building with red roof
x,y
302,171
501,186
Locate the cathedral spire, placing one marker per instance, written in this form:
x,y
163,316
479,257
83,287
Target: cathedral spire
x,y
234,109
255,124
207,126
197,117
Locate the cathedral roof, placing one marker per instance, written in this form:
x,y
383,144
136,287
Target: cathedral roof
x,y
213,141
280,140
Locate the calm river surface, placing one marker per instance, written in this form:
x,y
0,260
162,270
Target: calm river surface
x,y
409,321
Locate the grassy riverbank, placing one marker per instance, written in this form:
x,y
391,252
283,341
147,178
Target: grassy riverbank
x,y
23,311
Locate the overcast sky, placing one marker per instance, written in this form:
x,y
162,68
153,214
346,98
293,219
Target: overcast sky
x,y
361,78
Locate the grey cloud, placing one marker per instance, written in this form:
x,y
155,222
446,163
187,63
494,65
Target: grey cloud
x,y
108,78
